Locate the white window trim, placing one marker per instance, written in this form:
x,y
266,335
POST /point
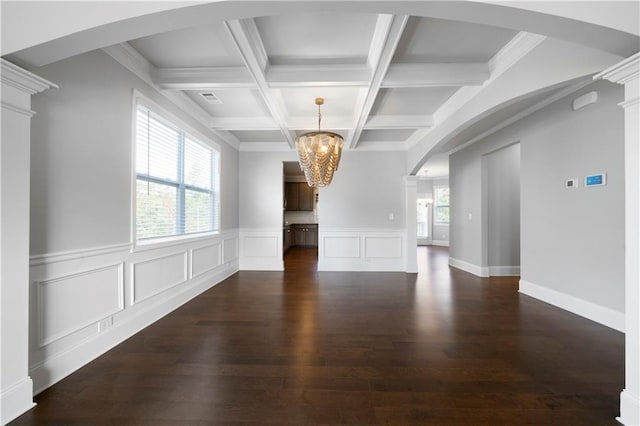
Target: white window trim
x,y
145,244
435,205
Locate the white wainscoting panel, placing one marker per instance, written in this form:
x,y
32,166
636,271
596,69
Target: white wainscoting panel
x,y
383,247
157,275
261,250
229,249
73,292
69,303
205,259
361,250
341,246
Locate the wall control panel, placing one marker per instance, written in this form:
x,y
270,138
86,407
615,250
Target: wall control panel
x,y
598,179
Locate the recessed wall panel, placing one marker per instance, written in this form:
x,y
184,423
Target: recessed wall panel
x,y
154,276
68,303
230,249
204,259
341,247
383,247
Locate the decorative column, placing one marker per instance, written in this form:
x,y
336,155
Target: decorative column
x,y
16,387
627,73
411,223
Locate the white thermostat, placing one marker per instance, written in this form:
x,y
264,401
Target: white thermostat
x,y
599,179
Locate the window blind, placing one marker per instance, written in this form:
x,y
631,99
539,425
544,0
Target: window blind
x,y
177,180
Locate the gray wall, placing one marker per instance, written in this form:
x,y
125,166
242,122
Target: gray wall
x,y
261,188
572,240
502,172
81,156
366,188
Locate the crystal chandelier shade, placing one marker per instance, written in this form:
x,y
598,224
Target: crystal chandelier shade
x,y
319,154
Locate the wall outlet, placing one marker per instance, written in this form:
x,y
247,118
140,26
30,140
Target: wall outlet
x,y
105,323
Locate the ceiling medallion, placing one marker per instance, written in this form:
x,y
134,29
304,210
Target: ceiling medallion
x,y
319,153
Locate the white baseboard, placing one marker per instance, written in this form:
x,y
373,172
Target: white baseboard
x,y
629,409
504,271
441,243
16,400
479,271
597,313
54,369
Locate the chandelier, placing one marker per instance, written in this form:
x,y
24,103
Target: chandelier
x,y
319,153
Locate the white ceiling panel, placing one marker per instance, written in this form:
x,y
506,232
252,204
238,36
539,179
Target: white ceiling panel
x,y
235,103
411,101
317,38
428,40
338,101
251,136
204,46
386,135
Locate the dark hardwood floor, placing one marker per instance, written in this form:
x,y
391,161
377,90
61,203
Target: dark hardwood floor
x,y
304,347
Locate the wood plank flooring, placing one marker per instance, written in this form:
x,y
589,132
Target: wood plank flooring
x,y
303,347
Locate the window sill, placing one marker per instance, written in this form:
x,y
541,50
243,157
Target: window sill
x,y
161,242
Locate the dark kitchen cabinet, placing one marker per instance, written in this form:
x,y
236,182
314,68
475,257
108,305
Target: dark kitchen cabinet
x,y
305,235
298,197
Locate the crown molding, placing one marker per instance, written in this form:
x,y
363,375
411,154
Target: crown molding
x,y
623,72
22,79
517,117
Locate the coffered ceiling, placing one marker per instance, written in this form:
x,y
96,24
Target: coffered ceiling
x,y
383,77
425,77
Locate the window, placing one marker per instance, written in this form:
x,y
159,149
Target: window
x,y
422,216
176,180
442,205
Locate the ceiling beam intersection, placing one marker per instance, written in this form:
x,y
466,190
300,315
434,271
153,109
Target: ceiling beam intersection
x,y
387,34
246,38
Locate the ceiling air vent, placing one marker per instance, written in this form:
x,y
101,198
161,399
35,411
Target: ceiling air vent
x,y
211,98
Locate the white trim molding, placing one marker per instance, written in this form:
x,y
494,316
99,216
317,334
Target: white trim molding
x,y
478,271
589,310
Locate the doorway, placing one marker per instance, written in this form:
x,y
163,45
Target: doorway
x,y
299,218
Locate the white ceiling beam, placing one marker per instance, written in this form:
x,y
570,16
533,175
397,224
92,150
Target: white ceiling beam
x,y
436,75
389,29
399,122
247,39
202,78
318,76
